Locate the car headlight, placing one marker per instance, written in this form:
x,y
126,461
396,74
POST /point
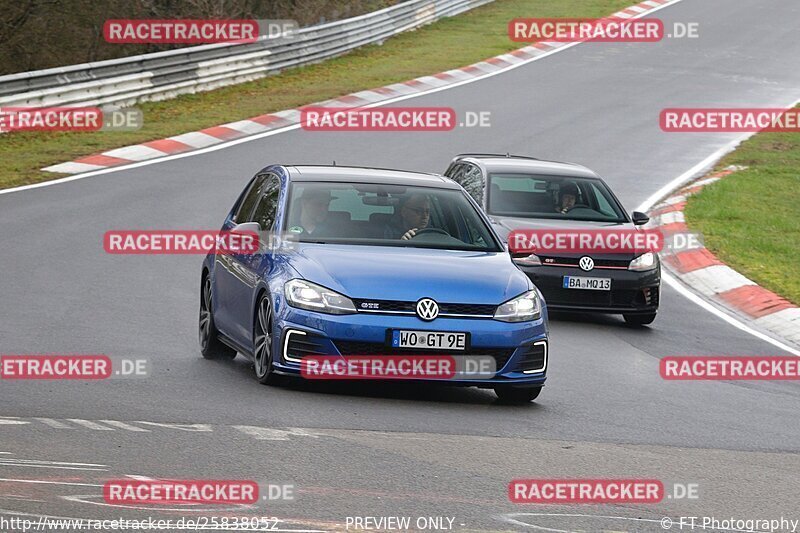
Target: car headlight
x,y
646,261
306,295
528,260
524,307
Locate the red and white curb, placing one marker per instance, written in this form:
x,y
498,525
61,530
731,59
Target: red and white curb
x,y
706,274
243,128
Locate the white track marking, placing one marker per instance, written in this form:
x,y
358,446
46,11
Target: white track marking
x,y
42,482
26,463
89,424
64,463
260,433
123,425
72,167
294,113
715,279
188,507
136,152
197,428
12,421
53,423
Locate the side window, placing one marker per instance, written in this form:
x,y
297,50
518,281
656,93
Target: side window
x,y
473,182
456,172
602,204
267,206
249,200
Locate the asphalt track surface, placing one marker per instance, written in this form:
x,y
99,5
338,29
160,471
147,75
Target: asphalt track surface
x,y
405,451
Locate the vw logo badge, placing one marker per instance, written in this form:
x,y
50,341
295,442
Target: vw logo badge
x,y
427,309
586,263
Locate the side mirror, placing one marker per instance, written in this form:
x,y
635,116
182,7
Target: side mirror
x,y
250,227
247,227
640,218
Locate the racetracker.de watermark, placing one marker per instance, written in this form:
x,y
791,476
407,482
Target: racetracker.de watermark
x,y
729,120
606,30
583,29
57,367
543,241
314,118
398,367
130,491
558,491
74,119
181,242
128,31
730,368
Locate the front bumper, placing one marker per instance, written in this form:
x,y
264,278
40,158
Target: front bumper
x,y
518,348
631,292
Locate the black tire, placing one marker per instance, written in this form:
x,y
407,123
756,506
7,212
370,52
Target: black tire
x,y
517,394
210,345
262,341
640,320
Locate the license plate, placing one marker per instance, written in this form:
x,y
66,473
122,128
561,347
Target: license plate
x,y
592,284
430,340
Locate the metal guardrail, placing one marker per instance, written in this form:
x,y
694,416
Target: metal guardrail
x,y
164,75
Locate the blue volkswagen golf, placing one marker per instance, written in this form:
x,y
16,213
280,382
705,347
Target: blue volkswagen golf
x,y
371,262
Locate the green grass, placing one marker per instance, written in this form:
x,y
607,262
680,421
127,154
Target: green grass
x,y
447,44
751,219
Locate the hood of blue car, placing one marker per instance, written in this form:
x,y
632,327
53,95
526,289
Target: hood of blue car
x,y
408,274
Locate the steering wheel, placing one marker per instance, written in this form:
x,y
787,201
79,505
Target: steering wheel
x,y
577,206
430,230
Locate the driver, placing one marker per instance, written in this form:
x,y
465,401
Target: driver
x,y
414,214
314,205
567,196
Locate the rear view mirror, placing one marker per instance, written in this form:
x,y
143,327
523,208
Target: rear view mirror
x,y
380,200
640,218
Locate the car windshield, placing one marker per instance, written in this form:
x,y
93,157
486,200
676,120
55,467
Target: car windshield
x,y
556,197
386,215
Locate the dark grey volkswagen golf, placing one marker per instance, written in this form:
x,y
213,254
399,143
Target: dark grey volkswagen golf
x,y
524,193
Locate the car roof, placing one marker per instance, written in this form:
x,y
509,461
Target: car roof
x,y
368,175
524,164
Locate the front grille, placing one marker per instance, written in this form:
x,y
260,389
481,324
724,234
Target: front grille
x,y
384,305
300,346
392,306
466,309
533,358
500,355
612,298
573,261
